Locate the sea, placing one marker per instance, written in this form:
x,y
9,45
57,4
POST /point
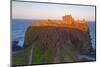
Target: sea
x,y
19,26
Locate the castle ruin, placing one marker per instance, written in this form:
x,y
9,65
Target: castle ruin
x,y
67,21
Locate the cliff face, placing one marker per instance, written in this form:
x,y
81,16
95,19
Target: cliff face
x,y
57,44
78,38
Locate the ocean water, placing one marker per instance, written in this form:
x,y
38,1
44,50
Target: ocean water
x,y
92,29
19,26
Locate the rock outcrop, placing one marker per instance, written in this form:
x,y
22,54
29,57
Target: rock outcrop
x,y
57,41
15,46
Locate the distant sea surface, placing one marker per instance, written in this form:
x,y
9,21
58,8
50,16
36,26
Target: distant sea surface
x,y
19,26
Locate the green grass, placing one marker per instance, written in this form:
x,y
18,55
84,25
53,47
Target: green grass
x,y
69,53
42,55
70,58
49,55
37,54
21,58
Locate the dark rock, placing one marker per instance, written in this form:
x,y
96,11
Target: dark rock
x,y
15,46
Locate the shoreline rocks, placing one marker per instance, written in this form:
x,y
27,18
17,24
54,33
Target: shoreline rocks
x,y
15,46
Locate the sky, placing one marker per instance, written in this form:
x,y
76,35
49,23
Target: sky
x,y
32,10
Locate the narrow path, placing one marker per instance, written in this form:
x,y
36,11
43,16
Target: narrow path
x,y
30,56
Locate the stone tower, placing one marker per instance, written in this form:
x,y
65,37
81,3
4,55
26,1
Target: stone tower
x,y
68,19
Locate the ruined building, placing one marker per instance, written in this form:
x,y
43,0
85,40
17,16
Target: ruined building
x,y
67,21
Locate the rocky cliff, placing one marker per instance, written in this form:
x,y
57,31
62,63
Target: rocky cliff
x,y
55,43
